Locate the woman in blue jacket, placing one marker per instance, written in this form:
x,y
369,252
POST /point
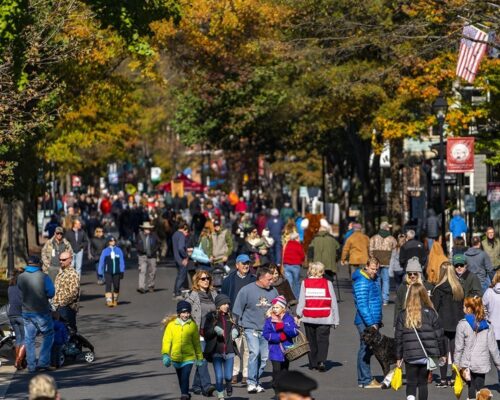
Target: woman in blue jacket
x,y
279,330
368,302
112,267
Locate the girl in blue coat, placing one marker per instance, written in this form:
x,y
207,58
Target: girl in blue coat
x,y
112,267
279,330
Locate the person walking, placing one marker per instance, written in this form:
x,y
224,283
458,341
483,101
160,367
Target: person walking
x,y
279,330
469,281
79,241
96,246
491,301
202,300
395,269
37,288
479,263
368,302
293,258
381,246
318,310
355,250
458,227
112,268
275,226
231,286
250,307
181,258
220,245
220,332
67,286
147,245
51,251
447,297
432,227
491,245
418,336
412,248
15,314
474,345
324,248
181,346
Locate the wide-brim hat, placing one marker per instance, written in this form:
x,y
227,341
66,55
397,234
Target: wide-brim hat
x,y
147,225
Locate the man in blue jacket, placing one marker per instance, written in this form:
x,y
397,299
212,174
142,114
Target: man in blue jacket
x,y
368,302
37,288
458,227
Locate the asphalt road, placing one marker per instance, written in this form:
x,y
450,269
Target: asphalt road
x,y
128,364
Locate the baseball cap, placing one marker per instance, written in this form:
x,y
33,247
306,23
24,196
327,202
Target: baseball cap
x,y
59,229
242,258
385,225
458,259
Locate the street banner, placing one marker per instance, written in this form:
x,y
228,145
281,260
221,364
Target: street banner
x,y
472,49
460,155
76,181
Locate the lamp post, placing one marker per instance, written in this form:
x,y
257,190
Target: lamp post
x,y
439,108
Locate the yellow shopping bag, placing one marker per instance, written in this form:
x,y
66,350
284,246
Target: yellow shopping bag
x,y
459,383
397,378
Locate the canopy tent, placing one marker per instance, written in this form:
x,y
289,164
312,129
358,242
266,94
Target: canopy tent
x,y
188,185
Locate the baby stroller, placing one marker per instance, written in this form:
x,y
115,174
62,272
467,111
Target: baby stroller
x,y
74,348
7,336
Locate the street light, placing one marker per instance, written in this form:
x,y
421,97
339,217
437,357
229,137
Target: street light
x,y
439,108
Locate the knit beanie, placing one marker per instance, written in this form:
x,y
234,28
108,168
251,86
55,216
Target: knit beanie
x,y
280,300
182,306
222,299
413,265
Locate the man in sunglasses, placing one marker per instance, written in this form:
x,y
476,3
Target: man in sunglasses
x,y
67,286
52,251
469,281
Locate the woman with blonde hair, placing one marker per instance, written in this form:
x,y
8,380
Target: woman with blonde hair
x,y
202,299
448,296
474,344
418,337
318,309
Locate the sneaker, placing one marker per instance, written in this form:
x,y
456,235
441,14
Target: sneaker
x,y
229,389
374,384
260,389
252,388
442,384
210,391
321,367
141,291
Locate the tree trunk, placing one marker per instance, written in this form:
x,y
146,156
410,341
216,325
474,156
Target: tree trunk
x,y
19,234
395,206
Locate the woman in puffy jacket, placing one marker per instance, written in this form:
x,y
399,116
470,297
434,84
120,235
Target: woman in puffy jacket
x,y
418,336
491,301
448,296
474,344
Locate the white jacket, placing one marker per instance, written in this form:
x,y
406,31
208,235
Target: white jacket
x,y
491,300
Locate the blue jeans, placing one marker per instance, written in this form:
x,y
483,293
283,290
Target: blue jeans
x,y
276,251
183,377
17,325
258,352
180,279
35,324
223,368
385,283
292,275
201,381
364,355
77,262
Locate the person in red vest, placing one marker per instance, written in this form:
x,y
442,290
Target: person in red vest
x,y
318,310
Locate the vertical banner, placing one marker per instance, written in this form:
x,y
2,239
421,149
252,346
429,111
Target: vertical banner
x,y
460,154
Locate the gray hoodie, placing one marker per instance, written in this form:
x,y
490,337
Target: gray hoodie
x,y
478,262
491,300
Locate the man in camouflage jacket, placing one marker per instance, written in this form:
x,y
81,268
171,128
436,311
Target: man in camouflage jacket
x,y
67,290
52,251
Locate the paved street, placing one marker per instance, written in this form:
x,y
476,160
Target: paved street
x,y
128,362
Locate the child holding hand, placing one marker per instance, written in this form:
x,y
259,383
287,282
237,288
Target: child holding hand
x,y
181,345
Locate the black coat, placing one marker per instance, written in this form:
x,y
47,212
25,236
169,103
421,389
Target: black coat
x,y
79,243
216,344
412,248
154,244
430,333
450,311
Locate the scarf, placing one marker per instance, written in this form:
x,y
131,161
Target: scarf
x,y
471,319
491,242
384,233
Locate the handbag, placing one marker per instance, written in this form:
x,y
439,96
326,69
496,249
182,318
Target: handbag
x,y
431,364
199,255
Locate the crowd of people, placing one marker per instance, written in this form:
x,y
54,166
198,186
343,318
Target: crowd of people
x,y
248,279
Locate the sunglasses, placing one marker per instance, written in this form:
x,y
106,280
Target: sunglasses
x,y
412,273
205,278
58,233
64,259
459,266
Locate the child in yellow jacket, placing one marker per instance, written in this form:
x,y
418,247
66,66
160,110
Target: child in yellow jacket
x,y
181,345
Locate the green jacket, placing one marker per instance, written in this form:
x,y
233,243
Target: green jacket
x,y
493,252
182,342
323,248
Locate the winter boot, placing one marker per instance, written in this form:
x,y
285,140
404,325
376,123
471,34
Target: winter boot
x,y
21,358
115,299
109,299
229,389
220,395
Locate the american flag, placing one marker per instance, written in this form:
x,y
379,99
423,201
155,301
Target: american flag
x,y
472,50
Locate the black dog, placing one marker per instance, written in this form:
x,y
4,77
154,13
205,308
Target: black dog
x,y
383,347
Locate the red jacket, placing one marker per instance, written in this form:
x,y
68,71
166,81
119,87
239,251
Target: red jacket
x,y
294,253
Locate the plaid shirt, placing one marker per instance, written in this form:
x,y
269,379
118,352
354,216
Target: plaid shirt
x,y
67,288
